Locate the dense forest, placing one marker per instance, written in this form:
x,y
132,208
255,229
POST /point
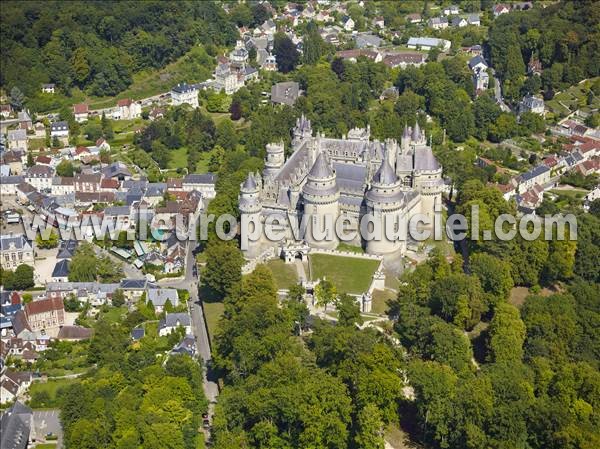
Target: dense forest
x,y
97,46
564,37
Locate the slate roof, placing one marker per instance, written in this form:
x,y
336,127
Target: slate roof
x,y
200,178
67,249
321,168
137,333
175,320
385,174
61,269
285,93
159,296
19,241
15,426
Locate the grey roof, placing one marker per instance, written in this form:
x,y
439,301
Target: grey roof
x,y
534,172
350,177
15,424
11,179
425,160
134,284
200,178
17,134
321,168
285,93
385,174
19,242
116,169
58,126
159,296
61,269
249,183
115,211
67,249
156,189
182,88
476,60
426,41
175,320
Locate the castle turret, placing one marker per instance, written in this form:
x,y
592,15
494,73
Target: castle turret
x,y
385,203
321,195
303,129
250,210
274,159
418,137
405,141
428,179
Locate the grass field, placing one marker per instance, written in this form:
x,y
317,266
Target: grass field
x,y
285,275
575,97
113,314
379,302
178,158
46,446
50,387
212,313
348,274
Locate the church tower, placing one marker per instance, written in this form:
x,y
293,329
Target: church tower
x,y
250,211
385,201
321,197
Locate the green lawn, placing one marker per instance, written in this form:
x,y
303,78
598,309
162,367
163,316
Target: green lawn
x,y
379,301
114,314
50,387
46,446
212,313
178,158
285,275
347,273
352,248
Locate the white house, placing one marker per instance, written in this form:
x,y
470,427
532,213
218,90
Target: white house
x,y
427,43
474,19
159,296
40,177
185,93
438,23
532,103
451,10
17,139
14,251
48,88
500,9
349,24
203,183
477,63
81,112
59,130
459,22
127,109
172,321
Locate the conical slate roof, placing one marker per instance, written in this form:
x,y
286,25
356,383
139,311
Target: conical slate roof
x,y
321,168
416,132
249,183
406,132
385,174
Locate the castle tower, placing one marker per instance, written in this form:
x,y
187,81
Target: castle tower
x,y
428,179
321,195
418,137
405,141
385,202
274,159
250,211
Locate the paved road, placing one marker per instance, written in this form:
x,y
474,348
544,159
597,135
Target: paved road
x,y
498,92
190,282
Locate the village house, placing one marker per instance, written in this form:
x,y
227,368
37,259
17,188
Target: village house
x,y
40,177
159,297
81,112
44,315
13,385
14,251
531,103
500,9
172,321
414,18
459,22
48,88
451,10
17,139
405,59
285,93
127,109
537,175
438,23
184,93
354,54
60,130
427,43
348,24
87,182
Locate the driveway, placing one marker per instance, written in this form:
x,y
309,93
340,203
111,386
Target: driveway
x,y
45,422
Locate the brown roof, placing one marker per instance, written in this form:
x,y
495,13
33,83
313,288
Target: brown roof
x,y
91,178
109,183
43,159
394,60
44,306
99,197
74,333
124,102
80,108
355,53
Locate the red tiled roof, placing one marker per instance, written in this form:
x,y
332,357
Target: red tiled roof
x,y
43,306
42,159
80,108
109,183
124,102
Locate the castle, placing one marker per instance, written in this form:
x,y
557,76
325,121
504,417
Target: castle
x,y
344,178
